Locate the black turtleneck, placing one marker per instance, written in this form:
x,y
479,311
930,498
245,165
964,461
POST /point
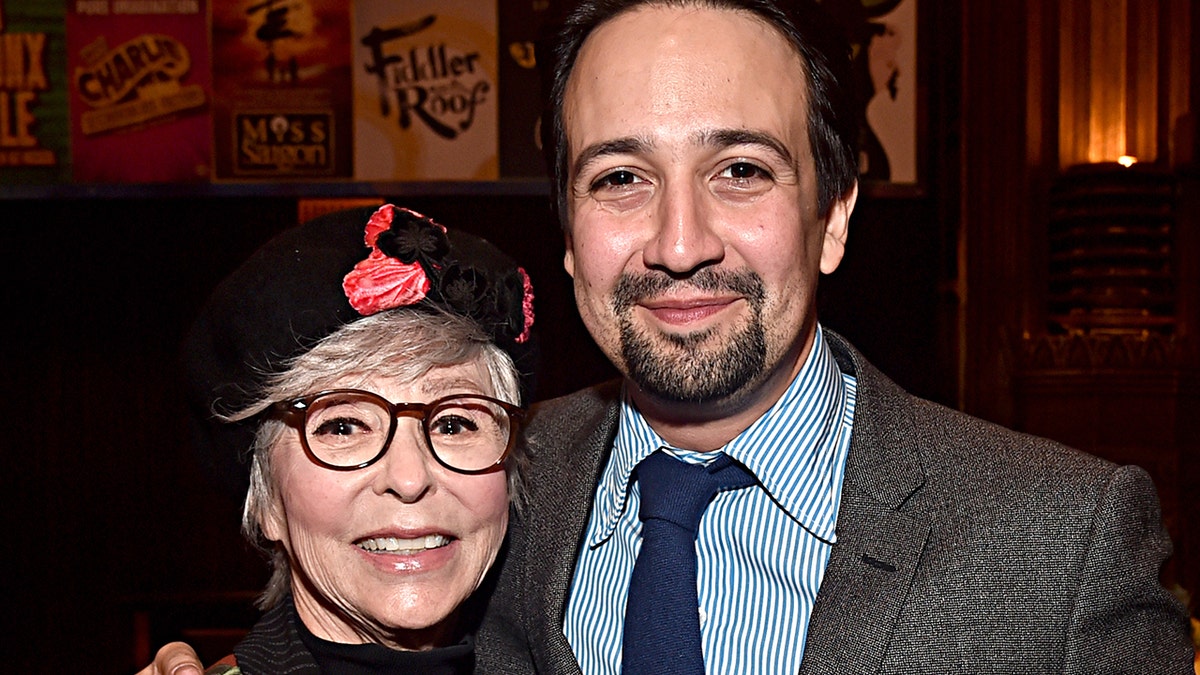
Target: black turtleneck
x,y
281,640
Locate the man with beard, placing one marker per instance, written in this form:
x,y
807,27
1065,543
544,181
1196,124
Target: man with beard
x,y
704,156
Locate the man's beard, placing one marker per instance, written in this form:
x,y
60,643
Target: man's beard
x,y
681,371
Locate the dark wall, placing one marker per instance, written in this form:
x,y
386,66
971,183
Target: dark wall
x,y
886,296
103,501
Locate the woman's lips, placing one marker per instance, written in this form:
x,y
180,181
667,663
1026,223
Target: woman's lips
x,y
408,552
401,545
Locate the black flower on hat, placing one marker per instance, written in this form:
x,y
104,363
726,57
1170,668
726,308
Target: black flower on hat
x,y
464,289
414,238
411,261
509,296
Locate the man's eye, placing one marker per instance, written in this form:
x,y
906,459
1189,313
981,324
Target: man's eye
x,y
745,170
615,179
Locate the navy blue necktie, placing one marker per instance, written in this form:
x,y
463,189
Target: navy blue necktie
x,y
662,613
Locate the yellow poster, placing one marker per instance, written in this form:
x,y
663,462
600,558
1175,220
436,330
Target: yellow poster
x,y
425,90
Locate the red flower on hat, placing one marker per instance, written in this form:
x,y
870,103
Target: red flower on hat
x,y
379,221
526,306
381,282
409,262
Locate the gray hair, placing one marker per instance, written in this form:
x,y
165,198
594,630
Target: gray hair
x,y
403,344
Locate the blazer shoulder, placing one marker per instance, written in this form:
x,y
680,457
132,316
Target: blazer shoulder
x,y
567,417
599,395
913,442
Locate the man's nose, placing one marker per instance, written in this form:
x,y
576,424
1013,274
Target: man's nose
x,y
684,239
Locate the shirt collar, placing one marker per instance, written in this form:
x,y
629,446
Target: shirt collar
x,y
792,449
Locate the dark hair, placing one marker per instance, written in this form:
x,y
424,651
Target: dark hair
x,y
832,123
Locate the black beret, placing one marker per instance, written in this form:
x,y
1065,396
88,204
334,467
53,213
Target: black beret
x,y
297,289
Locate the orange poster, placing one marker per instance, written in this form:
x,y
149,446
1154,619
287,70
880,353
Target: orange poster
x,y
281,73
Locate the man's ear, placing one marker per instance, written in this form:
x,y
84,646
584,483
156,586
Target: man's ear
x,y
569,256
837,229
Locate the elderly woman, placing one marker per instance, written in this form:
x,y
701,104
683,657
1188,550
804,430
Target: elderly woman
x,y
373,364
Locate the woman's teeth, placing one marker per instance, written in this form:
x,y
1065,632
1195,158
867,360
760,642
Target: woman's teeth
x,y
394,545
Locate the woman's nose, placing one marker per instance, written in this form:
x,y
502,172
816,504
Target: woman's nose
x,y
406,470
684,238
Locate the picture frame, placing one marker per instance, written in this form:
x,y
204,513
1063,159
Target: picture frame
x,y
885,40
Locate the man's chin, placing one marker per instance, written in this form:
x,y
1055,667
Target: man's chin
x,y
684,372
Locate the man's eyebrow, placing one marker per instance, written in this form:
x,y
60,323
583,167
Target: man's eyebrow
x,y
628,145
717,138
722,138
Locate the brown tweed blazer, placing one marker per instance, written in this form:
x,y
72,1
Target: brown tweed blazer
x,y
962,547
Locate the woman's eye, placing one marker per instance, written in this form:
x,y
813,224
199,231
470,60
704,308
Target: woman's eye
x,y
616,179
450,425
341,426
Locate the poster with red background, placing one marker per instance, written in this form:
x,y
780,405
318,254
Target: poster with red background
x,y
141,90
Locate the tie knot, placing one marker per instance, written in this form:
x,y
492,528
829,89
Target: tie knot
x,y
678,492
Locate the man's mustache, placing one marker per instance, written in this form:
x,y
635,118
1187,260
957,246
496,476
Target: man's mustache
x,y
633,288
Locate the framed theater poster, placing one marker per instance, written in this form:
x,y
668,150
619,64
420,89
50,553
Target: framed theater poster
x,y
883,38
425,90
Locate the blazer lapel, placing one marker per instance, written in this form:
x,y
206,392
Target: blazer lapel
x,y
570,450
873,563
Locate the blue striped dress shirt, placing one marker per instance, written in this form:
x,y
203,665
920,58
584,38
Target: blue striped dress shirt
x,y
762,550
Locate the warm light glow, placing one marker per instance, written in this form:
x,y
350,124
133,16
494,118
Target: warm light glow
x,y
1126,160
1112,78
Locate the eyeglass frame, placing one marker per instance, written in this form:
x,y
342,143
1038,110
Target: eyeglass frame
x,y
294,413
